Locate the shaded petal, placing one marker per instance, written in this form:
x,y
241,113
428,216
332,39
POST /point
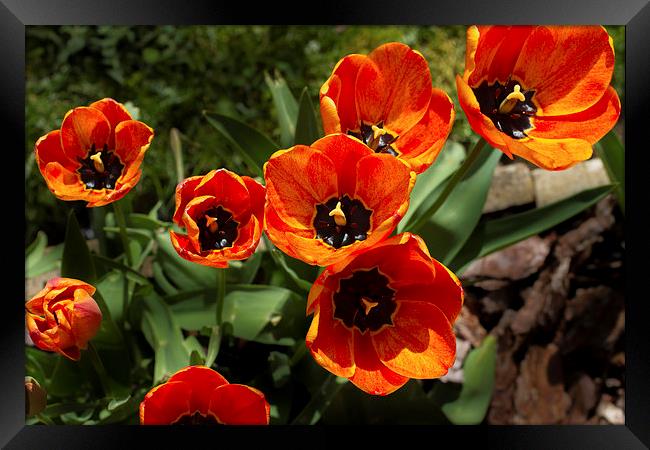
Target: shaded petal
x,y
480,123
497,49
86,318
383,185
421,344
344,151
422,143
257,193
166,403
184,193
569,67
297,180
330,341
48,149
591,124
237,404
185,250
64,183
370,374
394,86
230,193
81,128
132,139
115,113
338,106
203,381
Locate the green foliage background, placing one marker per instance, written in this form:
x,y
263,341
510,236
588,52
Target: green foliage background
x,y
172,73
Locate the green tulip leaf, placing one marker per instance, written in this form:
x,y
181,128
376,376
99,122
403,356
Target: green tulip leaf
x,y
306,125
286,107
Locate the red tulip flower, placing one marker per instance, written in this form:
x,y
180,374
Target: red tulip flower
x,y
96,155
333,198
385,315
386,100
198,395
223,214
540,92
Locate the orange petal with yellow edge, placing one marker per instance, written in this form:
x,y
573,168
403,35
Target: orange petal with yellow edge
x,y
330,341
551,154
83,127
166,403
338,106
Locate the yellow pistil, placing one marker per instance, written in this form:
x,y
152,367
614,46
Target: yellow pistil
x,y
377,132
97,162
511,100
339,215
212,224
368,304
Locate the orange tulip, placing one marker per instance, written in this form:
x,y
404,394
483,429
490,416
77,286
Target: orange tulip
x,y
198,395
334,198
96,155
540,92
385,99
63,317
223,214
385,315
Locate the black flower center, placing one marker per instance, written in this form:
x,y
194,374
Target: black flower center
x,y
217,229
509,106
100,169
365,301
196,419
376,137
343,221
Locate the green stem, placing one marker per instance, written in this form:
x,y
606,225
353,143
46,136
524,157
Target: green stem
x,y
319,402
43,418
100,369
221,294
121,222
449,187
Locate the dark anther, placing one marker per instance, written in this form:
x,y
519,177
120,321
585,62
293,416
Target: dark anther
x,y
217,229
357,222
196,419
365,301
100,175
516,121
379,145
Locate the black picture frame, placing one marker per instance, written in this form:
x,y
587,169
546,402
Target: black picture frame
x,y
634,14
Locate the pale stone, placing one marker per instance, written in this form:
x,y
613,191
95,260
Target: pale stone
x,y
553,186
512,185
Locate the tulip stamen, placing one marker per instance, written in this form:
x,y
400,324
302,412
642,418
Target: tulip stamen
x,y
511,100
339,215
376,137
212,223
97,162
368,304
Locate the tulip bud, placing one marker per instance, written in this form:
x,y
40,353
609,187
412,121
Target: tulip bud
x,y
35,397
63,317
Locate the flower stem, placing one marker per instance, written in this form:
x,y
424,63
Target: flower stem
x,y
121,222
322,398
449,187
221,294
100,369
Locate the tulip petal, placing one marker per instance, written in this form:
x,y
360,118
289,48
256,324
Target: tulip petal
x,y
229,191
330,341
551,154
86,318
184,193
296,181
497,51
237,404
479,122
203,382
48,149
63,183
83,127
569,67
394,86
257,194
132,139
115,113
421,344
422,143
591,124
338,106
383,185
370,374
166,403
344,151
